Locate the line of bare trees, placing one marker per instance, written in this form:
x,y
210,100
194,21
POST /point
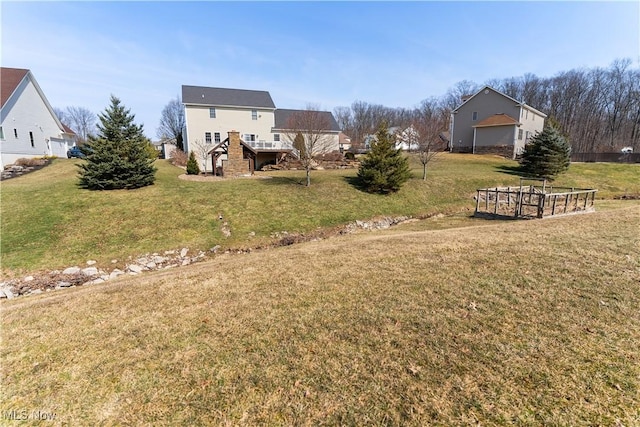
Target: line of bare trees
x,y
597,108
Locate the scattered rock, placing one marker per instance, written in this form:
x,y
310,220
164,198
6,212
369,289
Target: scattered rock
x,y
28,279
184,252
135,269
71,270
90,271
91,262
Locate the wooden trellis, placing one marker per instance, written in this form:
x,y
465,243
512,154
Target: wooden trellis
x,y
533,201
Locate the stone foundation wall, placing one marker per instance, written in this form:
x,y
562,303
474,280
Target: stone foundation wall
x,y
499,150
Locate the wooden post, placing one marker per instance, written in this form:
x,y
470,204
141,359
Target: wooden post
x,y
477,201
495,208
553,206
486,200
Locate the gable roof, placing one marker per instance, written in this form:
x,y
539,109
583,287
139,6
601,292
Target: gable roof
x,y
10,78
282,118
217,96
521,104
499,119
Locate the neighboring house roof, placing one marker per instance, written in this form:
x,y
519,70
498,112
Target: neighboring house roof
x,y
282,118
10,78
67,129
217,96
522,104
500,119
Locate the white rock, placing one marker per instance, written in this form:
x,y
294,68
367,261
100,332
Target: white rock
x,y
8,293
135,269
90,271
35,292
71,270
186,261
159,259
91,262
184,252
28,279
151,265
115,273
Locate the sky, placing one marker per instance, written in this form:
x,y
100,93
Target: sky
x,y
328,53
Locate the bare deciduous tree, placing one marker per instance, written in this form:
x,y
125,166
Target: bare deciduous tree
x,y
81,120
201,150
172,122
429,121
308,131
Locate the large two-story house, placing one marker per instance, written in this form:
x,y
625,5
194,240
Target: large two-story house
x,y
491,122
28,126
211,114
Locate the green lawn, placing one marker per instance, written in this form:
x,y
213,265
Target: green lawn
x,y
48,222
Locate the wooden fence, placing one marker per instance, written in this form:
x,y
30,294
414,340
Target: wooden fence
x,y
533,201
606,157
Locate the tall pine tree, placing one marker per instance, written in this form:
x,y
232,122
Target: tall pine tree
x,y
384,169
118,157
546,155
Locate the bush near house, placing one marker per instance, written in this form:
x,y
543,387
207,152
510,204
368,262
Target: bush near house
x,y
192,165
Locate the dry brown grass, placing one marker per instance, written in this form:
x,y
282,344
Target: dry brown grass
x,y
526,323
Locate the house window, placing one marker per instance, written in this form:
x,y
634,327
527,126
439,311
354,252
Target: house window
x,y
527,137
474,116
519,133
31,139
254,114
249,137
212,113
1,133
216,137
207,137
526,114
276,137
15,133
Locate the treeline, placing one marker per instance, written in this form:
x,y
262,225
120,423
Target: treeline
x,y
597,108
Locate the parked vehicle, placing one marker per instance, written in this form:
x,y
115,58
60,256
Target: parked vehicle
x,y
75,152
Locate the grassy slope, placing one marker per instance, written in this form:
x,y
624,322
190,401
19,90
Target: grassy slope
x,y
47,222
528,323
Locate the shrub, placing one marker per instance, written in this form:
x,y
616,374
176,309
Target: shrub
x,y
192,165
384,169
118,158
349,156
547,155
178,158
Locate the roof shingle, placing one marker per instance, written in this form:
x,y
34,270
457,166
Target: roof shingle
x,y
282,118
497,120
10,78
217,96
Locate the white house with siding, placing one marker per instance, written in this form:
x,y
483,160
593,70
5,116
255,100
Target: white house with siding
x,y
211,113
491,122
28,126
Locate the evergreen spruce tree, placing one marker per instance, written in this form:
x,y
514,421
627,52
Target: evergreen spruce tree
x,y
384,169
192,165
118,157
547,154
